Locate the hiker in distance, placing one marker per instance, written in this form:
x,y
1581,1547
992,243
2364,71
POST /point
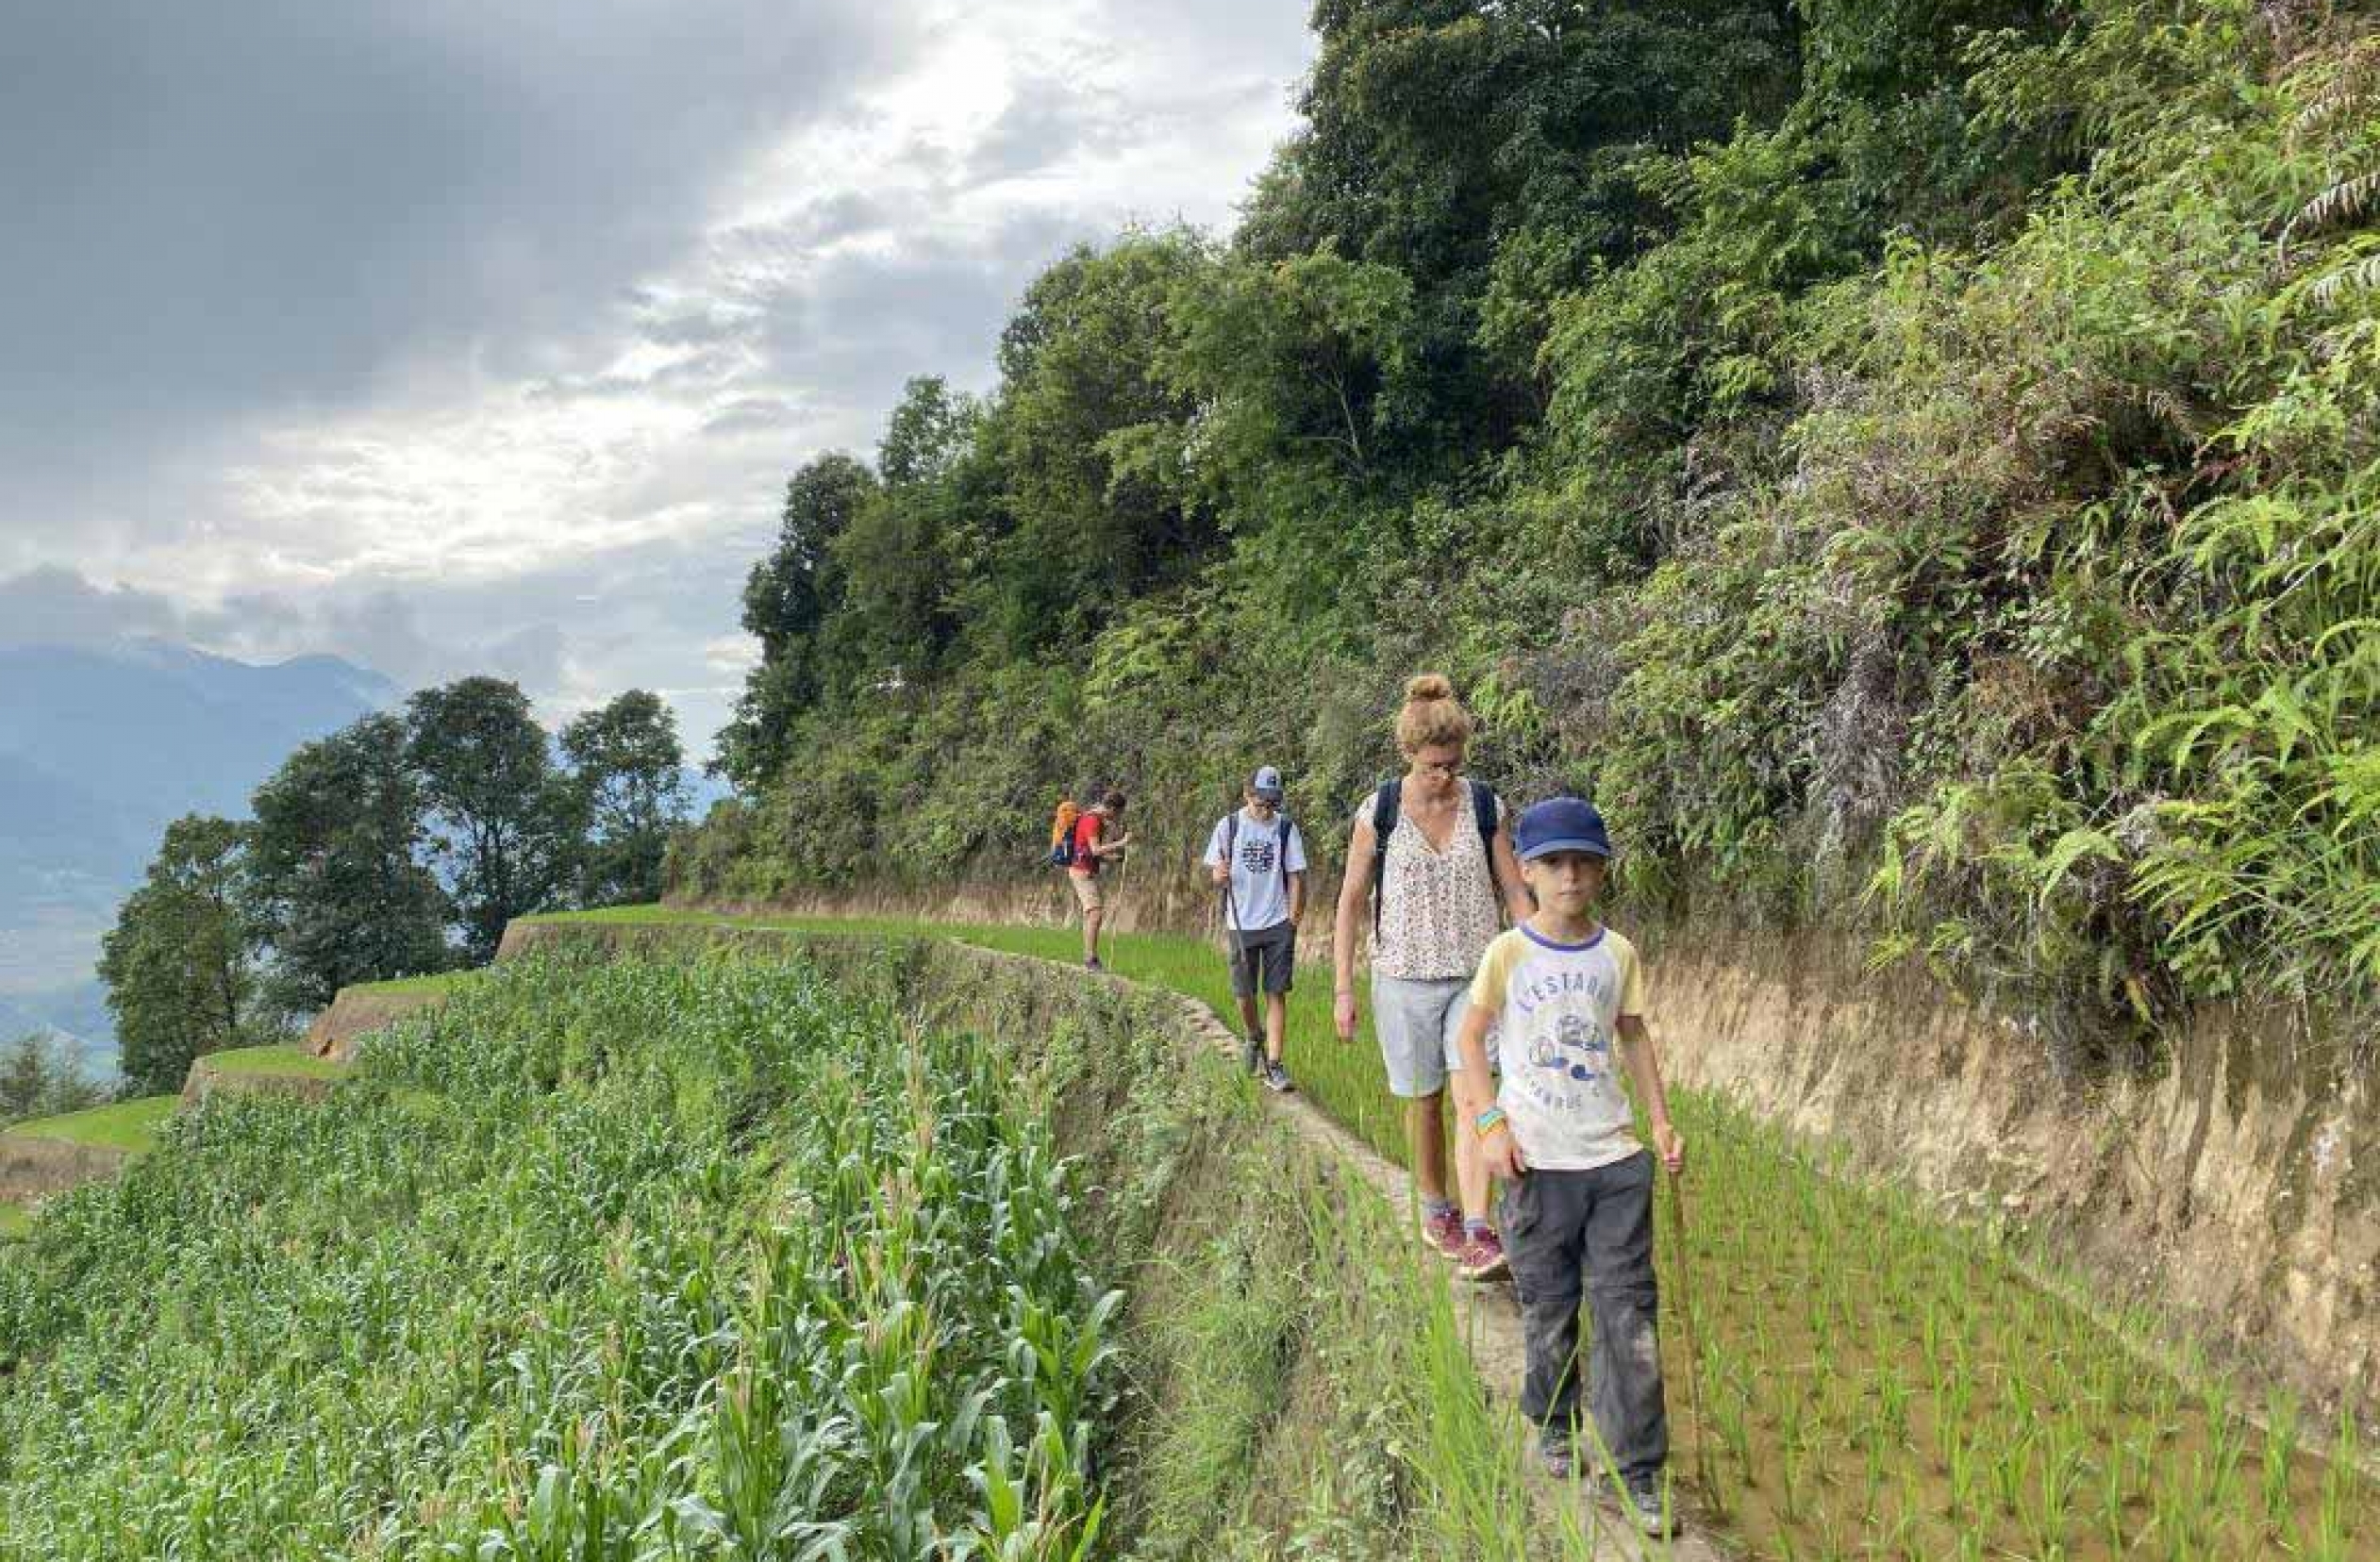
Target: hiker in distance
x,y
1430,869
1093,847
1563,992
1257,859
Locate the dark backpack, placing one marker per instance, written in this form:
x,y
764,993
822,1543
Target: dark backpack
x,y
1231,847
1385,805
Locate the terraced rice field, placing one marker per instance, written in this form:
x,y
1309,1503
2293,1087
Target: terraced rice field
x,y
1874,1381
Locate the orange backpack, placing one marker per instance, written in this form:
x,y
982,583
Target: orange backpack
x,y
1062,833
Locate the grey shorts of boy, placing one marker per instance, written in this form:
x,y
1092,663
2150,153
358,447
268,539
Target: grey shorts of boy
x,y
1264,959
1417,1020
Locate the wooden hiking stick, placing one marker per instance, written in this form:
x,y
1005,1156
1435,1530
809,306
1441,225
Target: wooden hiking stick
x,y
1686,1325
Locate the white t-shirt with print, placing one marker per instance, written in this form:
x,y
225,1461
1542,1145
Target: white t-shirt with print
x,y
1557,1011
1260,892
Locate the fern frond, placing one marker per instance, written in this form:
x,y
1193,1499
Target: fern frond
x,y
2348,201
2363,276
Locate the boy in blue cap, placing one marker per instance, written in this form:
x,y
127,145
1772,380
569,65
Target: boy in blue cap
x,y
1564,993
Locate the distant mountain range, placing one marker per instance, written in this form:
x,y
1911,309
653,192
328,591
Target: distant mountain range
x,y
100,748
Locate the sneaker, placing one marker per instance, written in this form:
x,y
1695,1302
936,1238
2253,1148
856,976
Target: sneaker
x,y
1251,1052
1651,1514
1277,1078
1092,964
1482,1258
1444,1231
1558,1459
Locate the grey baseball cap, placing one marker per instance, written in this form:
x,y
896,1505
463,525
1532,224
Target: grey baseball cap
x,y
1266,784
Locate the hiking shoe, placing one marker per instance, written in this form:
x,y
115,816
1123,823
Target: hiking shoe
x,y
1251,1054
1444,1232
1092,964
1277,1078
1558,1459
1482,1258
1650,1513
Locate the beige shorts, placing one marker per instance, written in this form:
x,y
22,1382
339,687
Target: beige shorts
x,y
1087,890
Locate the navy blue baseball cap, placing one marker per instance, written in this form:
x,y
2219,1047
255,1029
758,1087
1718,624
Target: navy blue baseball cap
x,y
1266,784
1560,825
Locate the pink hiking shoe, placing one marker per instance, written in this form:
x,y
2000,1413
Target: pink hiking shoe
x,y
1444,1232
1482,1258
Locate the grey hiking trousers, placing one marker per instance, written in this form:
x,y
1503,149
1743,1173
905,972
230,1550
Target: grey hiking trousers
x,y
1566,1233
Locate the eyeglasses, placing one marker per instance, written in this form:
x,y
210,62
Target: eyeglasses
x,y
1451,767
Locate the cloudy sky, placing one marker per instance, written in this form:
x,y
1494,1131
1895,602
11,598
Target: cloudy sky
x,y
452,336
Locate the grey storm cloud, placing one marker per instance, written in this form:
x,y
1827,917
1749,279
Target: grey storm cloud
x,y
271,269
251,204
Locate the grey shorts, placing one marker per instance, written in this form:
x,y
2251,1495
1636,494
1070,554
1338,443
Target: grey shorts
x,y
1264,961
1416,1021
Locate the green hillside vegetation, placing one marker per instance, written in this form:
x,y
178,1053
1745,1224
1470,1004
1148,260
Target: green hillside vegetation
x,y
397,845
130,1125
1912,464
14,1221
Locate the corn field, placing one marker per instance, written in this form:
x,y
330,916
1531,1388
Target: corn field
x,y
614,1263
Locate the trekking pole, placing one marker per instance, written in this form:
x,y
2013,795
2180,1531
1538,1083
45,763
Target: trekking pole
x,y
1686,1325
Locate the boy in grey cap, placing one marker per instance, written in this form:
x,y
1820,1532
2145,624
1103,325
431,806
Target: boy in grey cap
x,y
1258,858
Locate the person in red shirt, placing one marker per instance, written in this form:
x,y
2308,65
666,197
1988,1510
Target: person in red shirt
x,y
1093,846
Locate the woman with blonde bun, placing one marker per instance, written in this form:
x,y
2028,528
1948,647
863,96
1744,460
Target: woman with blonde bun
x,y
1430,869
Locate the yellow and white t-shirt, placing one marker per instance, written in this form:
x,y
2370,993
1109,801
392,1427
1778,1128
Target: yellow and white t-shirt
x,y
1557,1011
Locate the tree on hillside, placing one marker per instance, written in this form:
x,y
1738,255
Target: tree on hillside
x,y
180,964
911,551
787,601
333,880
629,771
1087,437
504,817
39,1078
1489,155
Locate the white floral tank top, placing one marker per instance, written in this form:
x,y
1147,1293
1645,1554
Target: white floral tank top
x,y
1437,909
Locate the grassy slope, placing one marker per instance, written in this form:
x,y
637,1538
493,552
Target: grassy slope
x,y
14,1221
126,1125
279,1061
446,981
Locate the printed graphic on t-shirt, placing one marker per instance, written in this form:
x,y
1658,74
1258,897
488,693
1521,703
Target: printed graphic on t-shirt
x,y
1567,1043
1257,896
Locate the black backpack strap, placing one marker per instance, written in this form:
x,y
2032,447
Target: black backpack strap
x,y
1483,813
1289,833
1385,805
1231,849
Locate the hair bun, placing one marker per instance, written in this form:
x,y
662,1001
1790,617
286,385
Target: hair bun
x,y
1428,685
